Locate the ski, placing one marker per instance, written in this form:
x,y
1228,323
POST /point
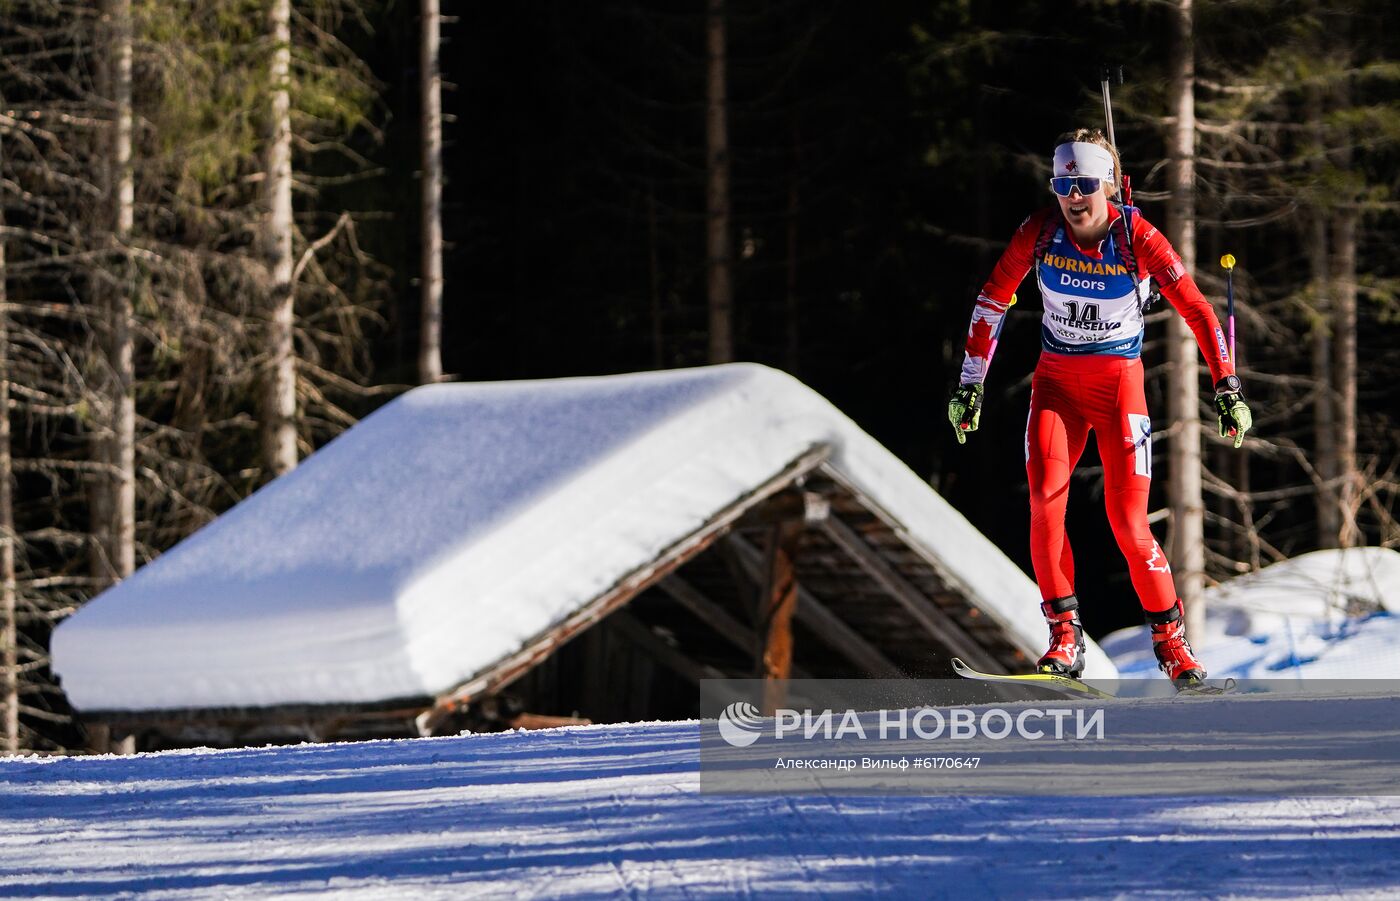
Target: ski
x,y
1074,688
1208,689
1063,684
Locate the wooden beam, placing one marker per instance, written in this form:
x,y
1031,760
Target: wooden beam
x,y
640,634
953,582
793,504
833,630
546,721
829,627
706,610
778,605
934,619
716,617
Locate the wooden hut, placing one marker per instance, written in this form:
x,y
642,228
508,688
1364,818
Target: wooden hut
x,y
531,553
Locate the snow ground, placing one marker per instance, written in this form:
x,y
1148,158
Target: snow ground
x,y
615,811
1325,615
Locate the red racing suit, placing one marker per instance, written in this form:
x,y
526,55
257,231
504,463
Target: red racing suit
x,y
1090,377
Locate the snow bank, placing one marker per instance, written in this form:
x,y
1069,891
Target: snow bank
x,y
443,531
1328,614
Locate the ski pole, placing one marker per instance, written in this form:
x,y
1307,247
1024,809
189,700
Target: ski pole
x,y
1227,262
1106,75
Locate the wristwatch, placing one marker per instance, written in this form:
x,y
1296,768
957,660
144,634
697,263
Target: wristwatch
x,y
1228,385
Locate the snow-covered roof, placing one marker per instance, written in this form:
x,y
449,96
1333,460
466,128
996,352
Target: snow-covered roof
x,y
444,531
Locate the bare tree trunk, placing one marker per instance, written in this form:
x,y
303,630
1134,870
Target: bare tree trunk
x,y
279,416
1344,329
658,332
9,632
1329,511
1329,518
720,254
121,555
794,206
1345,221
1186,544
430,340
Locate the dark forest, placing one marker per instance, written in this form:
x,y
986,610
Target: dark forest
x,y
879,158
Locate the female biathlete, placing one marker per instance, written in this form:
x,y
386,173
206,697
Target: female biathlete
x,y
1093,258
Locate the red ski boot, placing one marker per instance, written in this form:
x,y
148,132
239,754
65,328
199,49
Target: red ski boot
x,y
1066,654
1174,654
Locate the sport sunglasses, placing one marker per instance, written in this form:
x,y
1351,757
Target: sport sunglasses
x,y
1064,184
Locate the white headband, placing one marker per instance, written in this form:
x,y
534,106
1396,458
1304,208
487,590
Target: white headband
x,y
1083,158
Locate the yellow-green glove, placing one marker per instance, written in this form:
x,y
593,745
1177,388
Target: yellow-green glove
x,y
965,410
1235,418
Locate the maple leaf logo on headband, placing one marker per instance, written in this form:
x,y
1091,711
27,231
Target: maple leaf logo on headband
x,y
1070,166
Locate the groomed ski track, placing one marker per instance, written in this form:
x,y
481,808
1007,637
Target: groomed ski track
x,y
615,811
